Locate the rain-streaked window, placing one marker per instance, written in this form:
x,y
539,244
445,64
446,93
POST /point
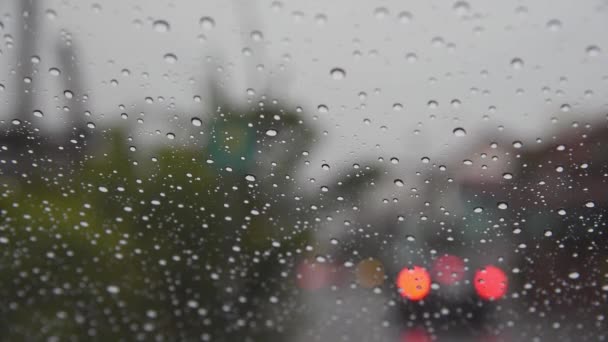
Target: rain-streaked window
x,y
303,170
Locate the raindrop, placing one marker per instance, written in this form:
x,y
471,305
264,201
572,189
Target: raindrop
x,y
517,63
405,17
113,289
507,175
38,113
207,23
337,73
250,178
322,109
502,205
54,72
271,133
459,132
170,136
196,122
170,58
554,25
381,13
593,51
411,57
590,204
161,26
461,8
399,183
256,36
574,275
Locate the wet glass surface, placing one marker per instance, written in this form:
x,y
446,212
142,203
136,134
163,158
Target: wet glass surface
x,y
303,171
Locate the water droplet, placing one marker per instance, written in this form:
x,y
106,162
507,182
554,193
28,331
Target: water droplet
x,y
113,289
102,189
574,275
507,176
502,205
411,57
90,125
461,8
554,25
478,210
170,136
337,73
459,132
170,58
68,94
593,51
322,109
517,63
272,132
161,26
196,122
37,113
250,178
397,106
399,183
54,72
590,204
381,12
325,167
16,122
256,36
207,23
405,17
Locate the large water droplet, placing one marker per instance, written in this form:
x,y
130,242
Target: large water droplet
x,y
459,132
554,25
517,63
337,73
170,58
593,51
207,23
161,26
196,122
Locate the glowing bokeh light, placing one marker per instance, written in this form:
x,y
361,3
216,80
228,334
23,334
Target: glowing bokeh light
x,y
448,269
490,282
414,283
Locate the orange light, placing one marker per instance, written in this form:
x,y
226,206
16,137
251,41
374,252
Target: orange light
x,y
490,282
448,269
414,283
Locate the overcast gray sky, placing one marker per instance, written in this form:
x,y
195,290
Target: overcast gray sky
x,y
457,51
